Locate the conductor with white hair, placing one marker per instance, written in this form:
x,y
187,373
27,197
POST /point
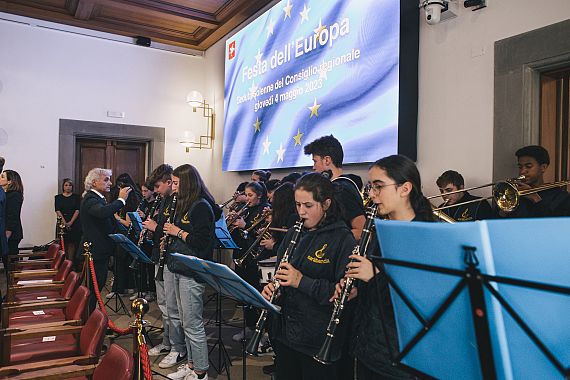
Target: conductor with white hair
x,y
97,220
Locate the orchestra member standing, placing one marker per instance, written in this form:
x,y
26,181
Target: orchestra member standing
x,y
173,337
307,282
192,234
395,186
327,155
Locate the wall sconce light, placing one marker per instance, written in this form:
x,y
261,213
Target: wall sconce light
x,y
205,141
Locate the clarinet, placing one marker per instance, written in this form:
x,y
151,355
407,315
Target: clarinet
x,y
131,223
323,356
167,241
251,348
149,215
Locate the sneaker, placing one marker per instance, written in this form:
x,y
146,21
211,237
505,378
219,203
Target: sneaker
x,y
182,372
171,359
158,350
194,376
135,296
265,348
149,297
239,336
110,295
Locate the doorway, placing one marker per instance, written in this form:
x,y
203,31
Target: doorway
x,y
119,156
554,122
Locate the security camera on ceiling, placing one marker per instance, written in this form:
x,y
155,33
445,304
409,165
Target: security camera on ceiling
x,y
433,10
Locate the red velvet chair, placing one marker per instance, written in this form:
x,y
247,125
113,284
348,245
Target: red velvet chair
x,y
46,312
59,269
116,364
48,254
35,348
18,294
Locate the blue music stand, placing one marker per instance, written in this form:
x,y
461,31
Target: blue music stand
x,y
223,236
131,248
228,283
472,301
136,222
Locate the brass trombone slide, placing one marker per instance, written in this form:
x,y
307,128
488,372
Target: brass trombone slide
x,y
510,181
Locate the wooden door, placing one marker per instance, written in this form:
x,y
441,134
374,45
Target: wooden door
x,y
119,156
554,122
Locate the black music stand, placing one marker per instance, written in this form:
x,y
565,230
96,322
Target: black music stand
x,y
449,302
228,283
223,241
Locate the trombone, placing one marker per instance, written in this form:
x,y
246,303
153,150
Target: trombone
x,y
510,181
505,194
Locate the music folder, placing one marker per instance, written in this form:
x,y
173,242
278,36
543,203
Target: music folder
x,y
136,222
525,288
130,247
223,237
221,278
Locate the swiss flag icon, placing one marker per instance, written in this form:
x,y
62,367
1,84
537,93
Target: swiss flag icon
x,y
232,50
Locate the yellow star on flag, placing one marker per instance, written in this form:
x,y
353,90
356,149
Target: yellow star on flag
x,y
297,137
257,125
287,10
305,13
314,109
320,28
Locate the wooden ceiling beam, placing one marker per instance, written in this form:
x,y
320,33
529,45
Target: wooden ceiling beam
x,y
205,20
84,9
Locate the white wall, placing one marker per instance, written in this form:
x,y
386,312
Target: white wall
x,y
47,75
455,126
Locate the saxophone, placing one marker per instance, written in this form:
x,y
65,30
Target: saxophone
x,y
166,243
323,356
251,348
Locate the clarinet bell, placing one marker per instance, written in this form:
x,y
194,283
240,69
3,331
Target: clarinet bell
x,y
134,264
324,354
253,344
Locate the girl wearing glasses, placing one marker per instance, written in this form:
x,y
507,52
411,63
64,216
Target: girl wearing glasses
x,y
395,186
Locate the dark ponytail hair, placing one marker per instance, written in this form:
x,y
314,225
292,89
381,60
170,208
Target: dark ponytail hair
x,y
259,189
263,175
401,169
322,189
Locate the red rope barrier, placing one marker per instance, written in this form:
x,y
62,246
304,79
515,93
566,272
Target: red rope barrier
x,y
145,360
102,304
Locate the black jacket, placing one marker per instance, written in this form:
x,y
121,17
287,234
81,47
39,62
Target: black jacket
x,y
374,311
160,218
198,221
321,256
471,211
554,202
14,201
98,222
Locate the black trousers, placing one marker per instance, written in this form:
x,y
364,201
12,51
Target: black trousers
x,y
251,275
101,270
294,365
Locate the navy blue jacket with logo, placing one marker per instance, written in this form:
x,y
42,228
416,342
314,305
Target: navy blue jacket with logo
x,y
321,256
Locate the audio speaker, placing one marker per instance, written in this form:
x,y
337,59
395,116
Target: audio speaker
x,y
142,41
